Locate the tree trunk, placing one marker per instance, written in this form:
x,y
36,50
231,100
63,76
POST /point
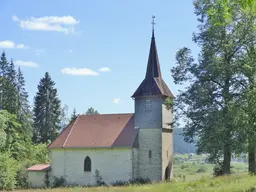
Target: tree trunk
x,y
251,158
227,159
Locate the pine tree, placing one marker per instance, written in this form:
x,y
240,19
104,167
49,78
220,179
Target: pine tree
x,y
11,102
3,72
24,114
47,111
73,115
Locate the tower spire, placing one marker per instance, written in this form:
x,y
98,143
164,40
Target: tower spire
x,y
153,25
153,84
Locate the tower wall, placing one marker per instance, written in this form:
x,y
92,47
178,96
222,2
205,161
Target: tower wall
x,y
150,167
148,119
148,112
167,143
155,135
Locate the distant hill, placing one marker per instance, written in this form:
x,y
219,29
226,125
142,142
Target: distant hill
x,y
180,146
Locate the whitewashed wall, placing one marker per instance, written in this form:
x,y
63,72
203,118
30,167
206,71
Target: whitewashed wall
x,y
113,165
36,178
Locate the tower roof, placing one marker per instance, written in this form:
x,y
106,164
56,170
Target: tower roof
x,y
153,84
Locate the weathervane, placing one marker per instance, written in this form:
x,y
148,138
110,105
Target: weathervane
x,y
153,22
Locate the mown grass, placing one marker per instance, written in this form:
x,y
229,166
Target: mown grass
x,y
234,183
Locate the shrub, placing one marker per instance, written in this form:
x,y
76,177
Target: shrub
x,y
202,170
137,181
98,178
183,166
22,174
8,169
59,182
218,169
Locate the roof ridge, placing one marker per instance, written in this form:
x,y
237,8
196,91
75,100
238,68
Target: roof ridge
x,y
70,131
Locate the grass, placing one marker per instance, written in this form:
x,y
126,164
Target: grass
x,y
234,183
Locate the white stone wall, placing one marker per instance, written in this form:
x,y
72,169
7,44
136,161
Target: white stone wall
x,y
112,164
167,141
150,139
135,163
167,153
36,178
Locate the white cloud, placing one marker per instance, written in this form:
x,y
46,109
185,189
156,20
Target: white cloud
x,y
26,63
10,44
79,71
116,100
49,23
104,69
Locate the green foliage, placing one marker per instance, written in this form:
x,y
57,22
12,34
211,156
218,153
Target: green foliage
x,y
98,178
211,104
24,114
202,169
8,169
73,115
59,182
47,111
91,111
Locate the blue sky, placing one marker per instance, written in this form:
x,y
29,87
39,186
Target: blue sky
x,y
96,51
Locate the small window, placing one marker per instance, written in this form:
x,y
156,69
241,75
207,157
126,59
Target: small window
x,y
148,105
149,154
87,164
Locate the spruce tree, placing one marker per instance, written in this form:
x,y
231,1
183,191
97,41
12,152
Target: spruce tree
x,y
3,72
11,94
24,114
73,115
47,111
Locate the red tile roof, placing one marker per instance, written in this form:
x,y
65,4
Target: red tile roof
x,y
40,167
102,130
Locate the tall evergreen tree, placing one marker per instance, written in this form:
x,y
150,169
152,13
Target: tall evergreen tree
x,y
47,111
24,114
11,102
3,72
73,115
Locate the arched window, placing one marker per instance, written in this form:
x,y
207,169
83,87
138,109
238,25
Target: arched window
x,y
149,154
87,164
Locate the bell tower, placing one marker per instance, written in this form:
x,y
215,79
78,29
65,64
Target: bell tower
x,y
152,120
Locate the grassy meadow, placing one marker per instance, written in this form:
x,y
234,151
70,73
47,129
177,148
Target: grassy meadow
x,y
190,174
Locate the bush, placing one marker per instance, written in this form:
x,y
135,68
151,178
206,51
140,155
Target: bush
x,y
59,182
137,181
183,166
218,169
98,178
8,169
22,174
202,170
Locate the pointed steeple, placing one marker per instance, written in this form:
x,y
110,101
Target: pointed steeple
x,y
153,68
153,84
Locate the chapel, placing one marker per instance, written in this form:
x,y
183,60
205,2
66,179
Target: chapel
x,y
116,147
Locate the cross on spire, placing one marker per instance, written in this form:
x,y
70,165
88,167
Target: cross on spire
x,y
153,22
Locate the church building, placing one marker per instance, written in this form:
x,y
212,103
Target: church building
x,y
116,147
